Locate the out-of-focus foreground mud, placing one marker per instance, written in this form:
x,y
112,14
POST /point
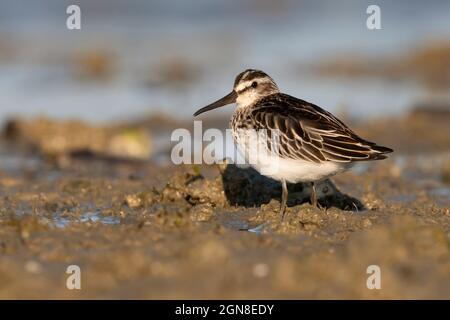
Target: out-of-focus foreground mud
x,y
142,230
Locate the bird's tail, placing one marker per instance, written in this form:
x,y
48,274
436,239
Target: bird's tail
x,y
379,152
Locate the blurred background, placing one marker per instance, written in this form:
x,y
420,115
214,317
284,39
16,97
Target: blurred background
x,y
141,57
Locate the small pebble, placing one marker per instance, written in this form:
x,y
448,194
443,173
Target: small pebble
x,y
260,270
33,267
366,223
133,201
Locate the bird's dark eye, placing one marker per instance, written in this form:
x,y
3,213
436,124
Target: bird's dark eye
x,y
254,84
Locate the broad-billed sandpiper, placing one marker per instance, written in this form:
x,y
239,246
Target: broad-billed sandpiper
x,y
312,143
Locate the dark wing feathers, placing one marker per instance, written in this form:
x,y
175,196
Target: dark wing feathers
x,y
308,132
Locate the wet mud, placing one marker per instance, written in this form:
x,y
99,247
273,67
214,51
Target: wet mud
x,y
139,229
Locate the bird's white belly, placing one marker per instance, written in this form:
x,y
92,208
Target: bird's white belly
x,y
292,170
298,170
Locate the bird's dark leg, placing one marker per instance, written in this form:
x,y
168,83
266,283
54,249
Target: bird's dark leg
x,y
313,195
284,196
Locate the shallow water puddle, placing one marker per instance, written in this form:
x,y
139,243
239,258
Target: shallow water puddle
x,y
425,171
88,217
258,229
237,224
441,195
402,198
14,162
237,221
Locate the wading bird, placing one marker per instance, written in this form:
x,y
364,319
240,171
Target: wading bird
x,y
312,144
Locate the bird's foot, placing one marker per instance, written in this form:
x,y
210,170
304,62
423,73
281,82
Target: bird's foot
x,y
282,212
313,199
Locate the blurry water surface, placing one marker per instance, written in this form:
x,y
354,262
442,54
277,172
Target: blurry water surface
x,y
175,56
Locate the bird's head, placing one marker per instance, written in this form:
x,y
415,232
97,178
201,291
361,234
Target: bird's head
x,y
249,86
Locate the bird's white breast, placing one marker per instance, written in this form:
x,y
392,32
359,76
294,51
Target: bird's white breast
x,y
256,153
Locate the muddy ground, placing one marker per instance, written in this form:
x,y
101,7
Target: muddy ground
x,y
140,229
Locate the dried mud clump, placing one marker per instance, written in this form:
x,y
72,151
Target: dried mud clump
x,y
193,188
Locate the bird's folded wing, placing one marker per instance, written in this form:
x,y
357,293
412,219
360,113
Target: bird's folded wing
x,y
306,132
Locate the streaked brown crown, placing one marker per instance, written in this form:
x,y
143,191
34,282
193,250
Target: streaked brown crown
x,y
250,74
251,85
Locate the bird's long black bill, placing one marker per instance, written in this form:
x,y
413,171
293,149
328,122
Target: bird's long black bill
x,y
229,98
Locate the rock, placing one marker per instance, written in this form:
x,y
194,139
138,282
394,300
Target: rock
x,y
130,144
56,139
